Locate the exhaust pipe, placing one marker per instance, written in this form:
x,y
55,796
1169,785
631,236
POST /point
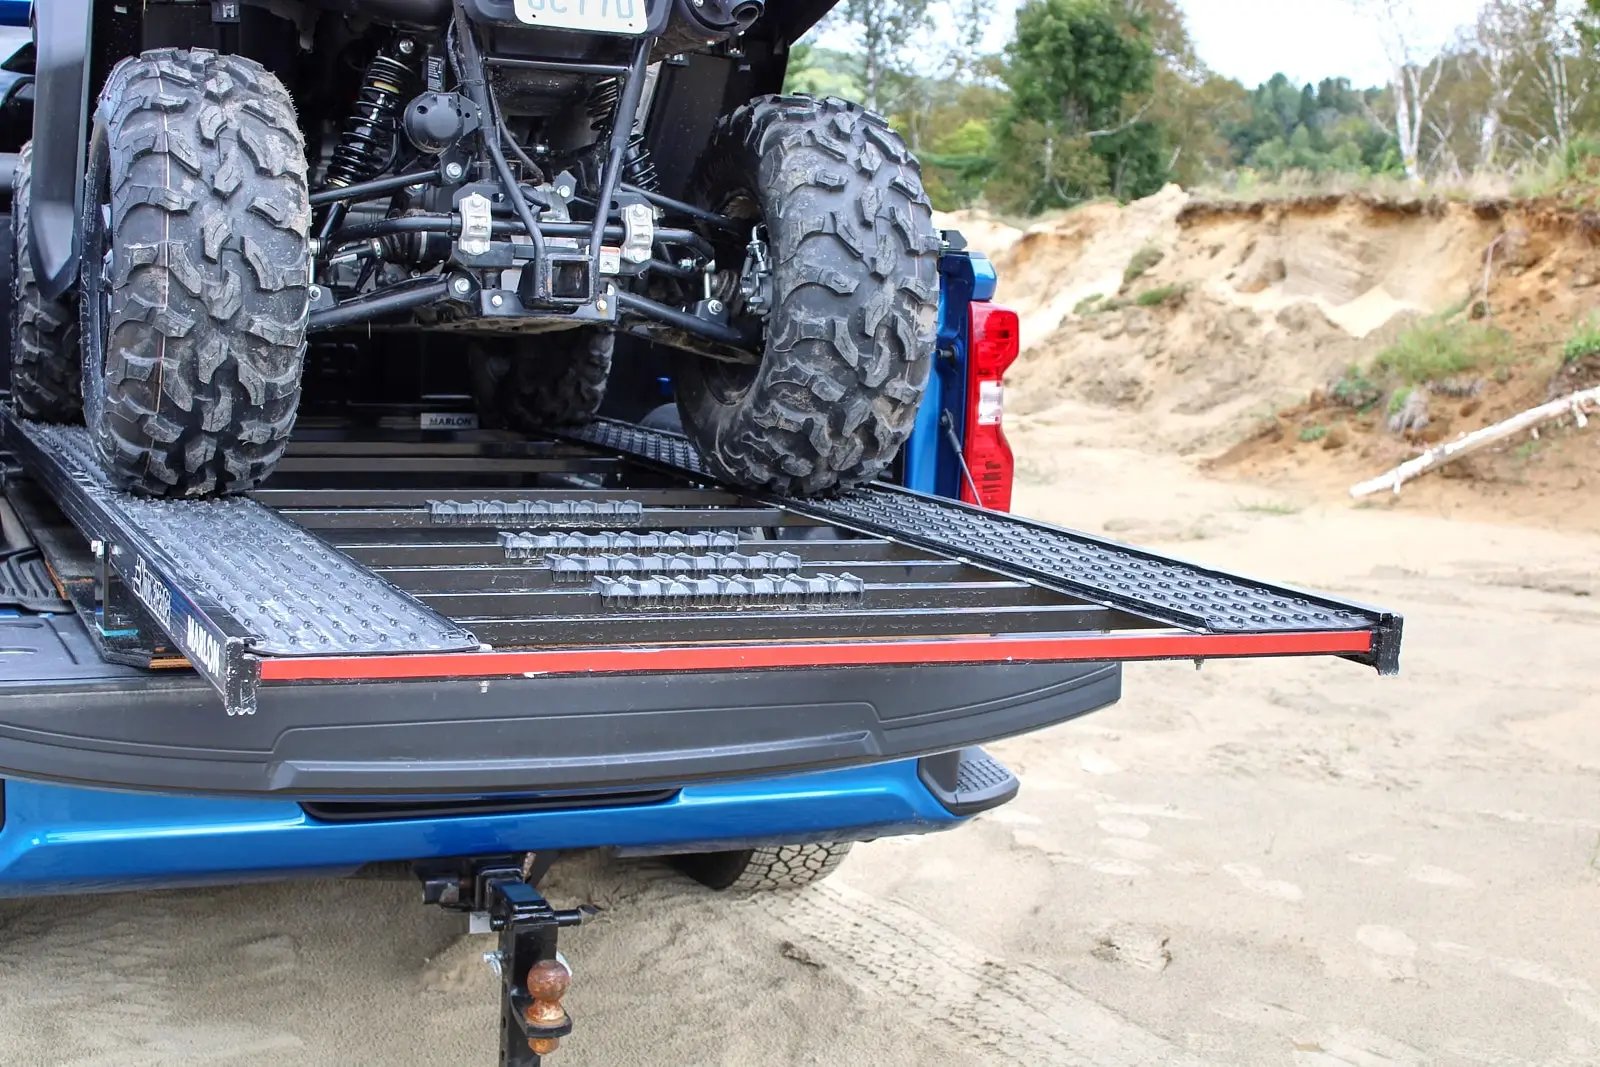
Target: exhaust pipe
x,y
718,18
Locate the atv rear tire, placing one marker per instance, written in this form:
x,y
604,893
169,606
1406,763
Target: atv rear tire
x,y
46,367
541,382
196,271
854,298
755,870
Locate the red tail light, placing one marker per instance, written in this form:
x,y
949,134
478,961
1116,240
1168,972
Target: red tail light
x,y
992,348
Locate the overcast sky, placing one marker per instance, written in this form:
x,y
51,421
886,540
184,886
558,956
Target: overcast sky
x,y
1252,40
1307,39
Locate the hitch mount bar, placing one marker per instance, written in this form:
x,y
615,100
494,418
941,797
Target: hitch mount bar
x,y
498,893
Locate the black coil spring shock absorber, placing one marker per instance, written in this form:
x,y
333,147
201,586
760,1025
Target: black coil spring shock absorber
x,y
369,132
638,168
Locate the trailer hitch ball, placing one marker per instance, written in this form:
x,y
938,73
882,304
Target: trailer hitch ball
x,y
547,982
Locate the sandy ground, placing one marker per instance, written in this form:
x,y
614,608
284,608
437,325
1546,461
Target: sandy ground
x,y
1276,863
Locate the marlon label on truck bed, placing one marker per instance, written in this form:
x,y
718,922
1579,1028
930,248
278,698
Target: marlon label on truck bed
x,y
203,648
448,420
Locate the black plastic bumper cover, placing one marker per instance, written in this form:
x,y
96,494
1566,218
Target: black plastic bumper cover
x,y
66,715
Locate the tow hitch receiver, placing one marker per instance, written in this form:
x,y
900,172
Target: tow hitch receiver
x,y
533,976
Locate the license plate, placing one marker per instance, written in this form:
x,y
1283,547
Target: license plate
x,y
596,16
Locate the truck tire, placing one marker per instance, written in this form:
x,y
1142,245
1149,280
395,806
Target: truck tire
x,y
754,870
196,271
46,367
854,298
541,382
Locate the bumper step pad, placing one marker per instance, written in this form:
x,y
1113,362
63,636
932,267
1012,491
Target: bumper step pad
x,y
968,781
25,583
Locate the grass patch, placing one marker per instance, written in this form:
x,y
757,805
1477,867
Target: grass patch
x,y
1397,399
1570,173
1086,306
1142,261
1585,341
1313,433
1355,390
1244,185
1161,296
1438,347
1268,508
1527,449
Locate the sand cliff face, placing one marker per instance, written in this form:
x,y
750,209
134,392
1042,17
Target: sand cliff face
x,y
1222,328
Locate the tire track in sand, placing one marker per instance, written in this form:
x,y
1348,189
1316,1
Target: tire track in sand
x,y
1014,1010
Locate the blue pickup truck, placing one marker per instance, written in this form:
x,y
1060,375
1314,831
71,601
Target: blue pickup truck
x,y
57,836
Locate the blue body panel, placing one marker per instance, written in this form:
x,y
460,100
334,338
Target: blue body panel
x,y
931,462
984,279
56,838
64,839
15,12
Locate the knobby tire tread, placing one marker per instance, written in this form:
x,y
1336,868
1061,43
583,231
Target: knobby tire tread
x,y
46,368
210,222
850,336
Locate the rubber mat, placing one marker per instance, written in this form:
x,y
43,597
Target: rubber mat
x,y
25,583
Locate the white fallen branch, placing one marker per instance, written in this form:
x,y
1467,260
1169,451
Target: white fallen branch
x,y
1439,455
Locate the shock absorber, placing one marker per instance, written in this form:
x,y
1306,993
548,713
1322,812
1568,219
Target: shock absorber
x,y
638,168
369,132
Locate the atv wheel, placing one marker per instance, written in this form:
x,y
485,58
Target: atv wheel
x,y
666,418
753,870
196,266
540,382
46,368
847,280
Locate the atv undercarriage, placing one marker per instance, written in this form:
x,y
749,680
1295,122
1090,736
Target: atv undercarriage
x,y
415,165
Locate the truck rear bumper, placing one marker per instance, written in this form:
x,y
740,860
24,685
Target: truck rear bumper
x,y
67,716
58,838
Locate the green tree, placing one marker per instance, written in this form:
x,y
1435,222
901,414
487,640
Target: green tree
x,y
1163,21
884,29
959,163
1326,127
822,72
1587,23
1195,111
1073,130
